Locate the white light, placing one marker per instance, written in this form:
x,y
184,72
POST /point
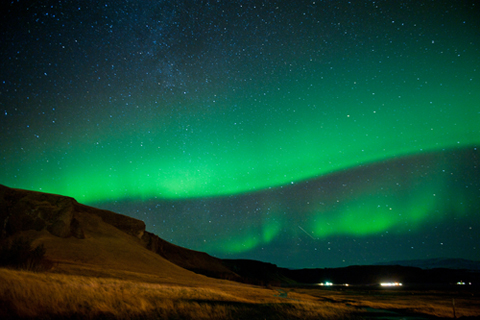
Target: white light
x,y
390,284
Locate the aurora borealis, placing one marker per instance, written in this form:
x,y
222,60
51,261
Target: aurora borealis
x,y
306,134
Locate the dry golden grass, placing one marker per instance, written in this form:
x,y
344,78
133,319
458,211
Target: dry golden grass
x,y
110,274
430,303
32,295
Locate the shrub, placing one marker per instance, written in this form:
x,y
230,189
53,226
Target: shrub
x,y
19,254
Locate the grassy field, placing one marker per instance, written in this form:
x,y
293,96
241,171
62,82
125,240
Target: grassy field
x,y
50,296
436,303
111,274
127,295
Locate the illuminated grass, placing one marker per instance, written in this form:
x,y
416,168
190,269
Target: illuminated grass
x,y
31,295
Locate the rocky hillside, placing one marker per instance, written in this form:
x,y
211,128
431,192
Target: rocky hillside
x,y
22,210
63,217
79,236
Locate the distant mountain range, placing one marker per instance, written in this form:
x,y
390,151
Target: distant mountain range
x,y
80,239
445,263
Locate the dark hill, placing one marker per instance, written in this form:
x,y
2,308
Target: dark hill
x,y
445,263
374,275
83,239
78,235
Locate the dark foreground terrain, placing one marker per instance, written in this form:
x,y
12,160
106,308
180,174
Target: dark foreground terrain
x,y
64,260
441,302
125,295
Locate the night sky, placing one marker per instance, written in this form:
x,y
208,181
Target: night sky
x,y
301,133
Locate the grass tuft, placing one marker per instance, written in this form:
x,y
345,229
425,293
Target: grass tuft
x,y
19,254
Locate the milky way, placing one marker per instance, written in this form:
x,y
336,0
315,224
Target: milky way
x,y
314,133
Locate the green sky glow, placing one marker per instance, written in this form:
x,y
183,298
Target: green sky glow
x,y
250,124
269,143
380,201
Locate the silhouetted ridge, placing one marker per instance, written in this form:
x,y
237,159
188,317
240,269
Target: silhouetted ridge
x,y
198,262
76,234
447,263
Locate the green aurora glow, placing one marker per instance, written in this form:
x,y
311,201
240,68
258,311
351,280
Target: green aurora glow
x,y
282,128
354,207
270,143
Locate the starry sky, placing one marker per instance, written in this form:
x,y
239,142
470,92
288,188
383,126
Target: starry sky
x,y
301,133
